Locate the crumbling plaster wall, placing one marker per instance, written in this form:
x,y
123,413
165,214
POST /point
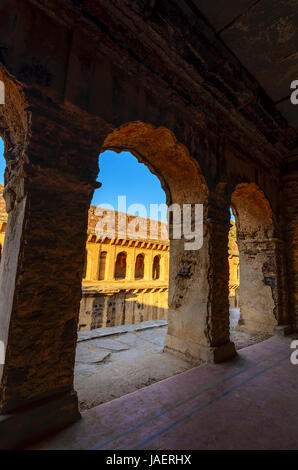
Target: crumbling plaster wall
x,y
257,251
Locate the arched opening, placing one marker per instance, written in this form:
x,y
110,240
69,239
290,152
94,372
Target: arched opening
x,y
140,256
156,267
120,266
140,266
234,275
102,266
257,271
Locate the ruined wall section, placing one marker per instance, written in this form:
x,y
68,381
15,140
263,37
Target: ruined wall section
x,y
125,307
258,249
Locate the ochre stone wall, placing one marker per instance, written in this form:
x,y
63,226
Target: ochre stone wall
x,y
111,302
101,308
234,268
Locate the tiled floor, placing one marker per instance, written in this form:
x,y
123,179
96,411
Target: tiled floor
x,y
248,403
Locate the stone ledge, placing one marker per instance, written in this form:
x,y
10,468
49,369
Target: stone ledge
x,y
38,420
186,349
198,353
116,330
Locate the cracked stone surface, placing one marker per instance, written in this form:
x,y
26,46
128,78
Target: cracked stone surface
x,y
115,330
87,354
106,343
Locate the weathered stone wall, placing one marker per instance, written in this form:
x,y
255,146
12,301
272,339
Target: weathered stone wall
x,y
123,307
257,249
123,225
132,246
148,305
110,302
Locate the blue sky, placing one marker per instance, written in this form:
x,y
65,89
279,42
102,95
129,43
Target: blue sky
x,y
120,174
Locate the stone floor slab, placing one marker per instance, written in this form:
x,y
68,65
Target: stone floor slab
x,y
221,406
134,341
88,355
106,343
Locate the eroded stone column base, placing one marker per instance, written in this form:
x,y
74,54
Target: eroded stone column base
x,y
218,354
196,353
38,420
247,326
184,348
283,330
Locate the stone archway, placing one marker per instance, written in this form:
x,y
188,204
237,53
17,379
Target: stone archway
x,y
121,266
190,312
140,266
257,245
156,267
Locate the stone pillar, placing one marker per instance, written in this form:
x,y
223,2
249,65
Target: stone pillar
x,y
97,262
218,347
48,195
164,266
261,260
198,298
148,265
105,311
290,185
89,266
111,262
284,322
130,265
258,284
